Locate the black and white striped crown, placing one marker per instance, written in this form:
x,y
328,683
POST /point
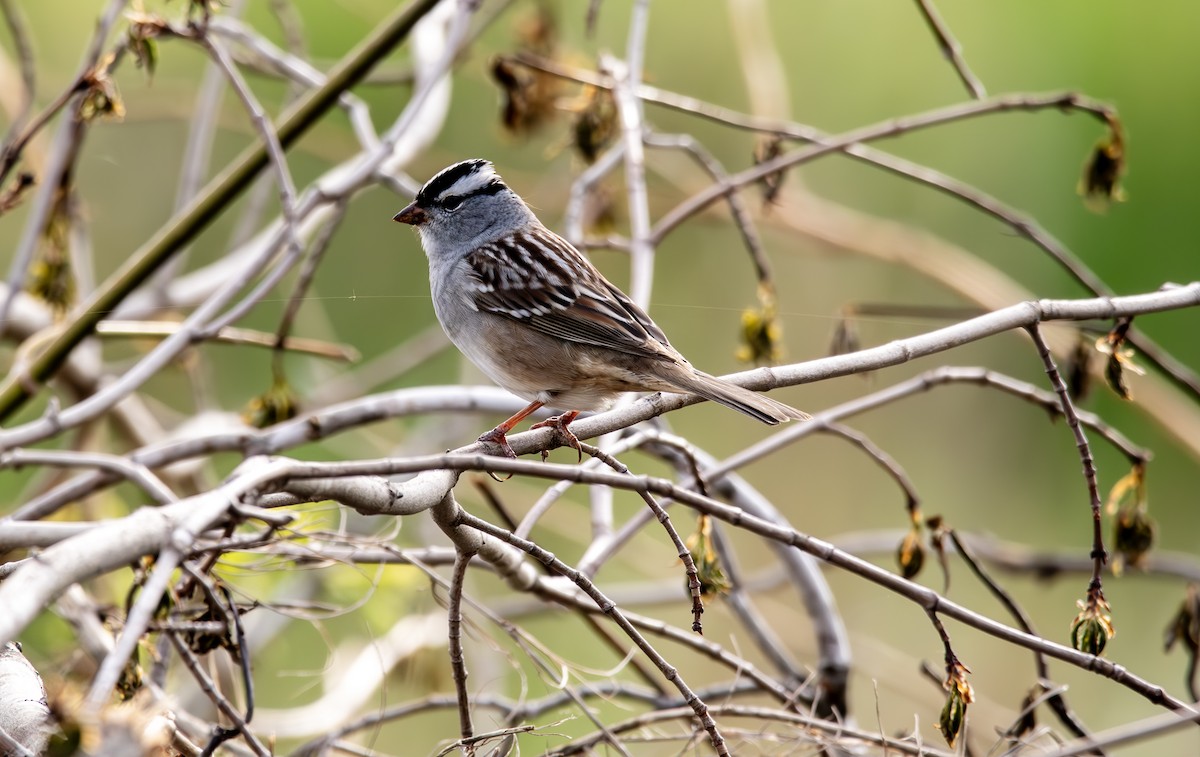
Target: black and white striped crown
x,y
461,180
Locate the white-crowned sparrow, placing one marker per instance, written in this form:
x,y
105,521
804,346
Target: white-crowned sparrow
x,y
527,308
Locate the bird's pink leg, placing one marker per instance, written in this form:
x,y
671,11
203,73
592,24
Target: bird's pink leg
x,y
499,435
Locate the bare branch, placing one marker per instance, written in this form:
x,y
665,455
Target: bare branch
x,y
951,49
181,229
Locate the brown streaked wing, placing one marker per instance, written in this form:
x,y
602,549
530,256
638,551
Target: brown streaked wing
x,y
540,279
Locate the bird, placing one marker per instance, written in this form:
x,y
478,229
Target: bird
x,y
526,307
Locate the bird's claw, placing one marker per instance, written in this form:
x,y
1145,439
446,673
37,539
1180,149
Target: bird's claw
x,y
559,423
498,437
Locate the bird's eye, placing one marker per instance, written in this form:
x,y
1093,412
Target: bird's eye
x,y
453,202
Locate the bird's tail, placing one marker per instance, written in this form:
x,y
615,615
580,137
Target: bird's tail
x,y
743,400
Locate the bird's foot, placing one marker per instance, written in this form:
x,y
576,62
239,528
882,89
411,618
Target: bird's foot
x,y
498,436
567,437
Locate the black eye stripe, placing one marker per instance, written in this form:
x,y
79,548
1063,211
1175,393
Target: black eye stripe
x,y
492,188
455,201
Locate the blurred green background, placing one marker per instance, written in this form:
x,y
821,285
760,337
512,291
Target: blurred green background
x,y
988,463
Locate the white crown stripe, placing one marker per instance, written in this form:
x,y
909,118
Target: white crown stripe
x,y
477,179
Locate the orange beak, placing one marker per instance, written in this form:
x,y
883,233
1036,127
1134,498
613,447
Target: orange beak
x,y
412,215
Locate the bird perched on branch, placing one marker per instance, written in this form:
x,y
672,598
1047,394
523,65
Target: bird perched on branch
x,y
537,318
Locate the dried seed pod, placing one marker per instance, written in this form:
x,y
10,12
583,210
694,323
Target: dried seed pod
x,y
101,98
708,565
1120,359
595,125
530,96
910,555
1133,535
760,336
278,403
953,719
1100,184
1092,628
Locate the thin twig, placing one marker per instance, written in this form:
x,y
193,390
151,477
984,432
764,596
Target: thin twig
x,y
699,708
209,687
951,49
137,620
307,273
923,382
291,25
468,744
1099,555
1012,557
955,671
876,453
1054,697
890,128
737,206
1137,731
231,335
827,691
202,132
533,650
268,136
220,598
19,31
844,735
519,711
742,606
119,466
522,529
458,666
301,74
743,668
685,555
